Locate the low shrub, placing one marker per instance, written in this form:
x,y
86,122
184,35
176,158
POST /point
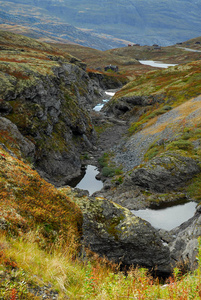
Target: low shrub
x,y
135,127
108,172
180,144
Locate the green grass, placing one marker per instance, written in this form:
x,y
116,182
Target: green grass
x,y
153,151
182,144
109,168
26,265
194,188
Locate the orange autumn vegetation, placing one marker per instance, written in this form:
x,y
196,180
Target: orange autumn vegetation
x,y
28,202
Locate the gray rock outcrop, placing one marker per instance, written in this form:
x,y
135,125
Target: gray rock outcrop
x,y
126,104
25,146
105,82
113,231
52,112
165,172
184,247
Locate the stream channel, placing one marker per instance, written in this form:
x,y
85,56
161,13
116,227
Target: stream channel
x,y
165,217
87,180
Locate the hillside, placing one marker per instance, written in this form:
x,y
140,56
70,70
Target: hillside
x,y
108,24
40,229
57,242
38,23
137,21
127,58
161,109
28,68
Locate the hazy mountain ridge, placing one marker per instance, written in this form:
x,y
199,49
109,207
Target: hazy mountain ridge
x,y
165,22
38,23
154,21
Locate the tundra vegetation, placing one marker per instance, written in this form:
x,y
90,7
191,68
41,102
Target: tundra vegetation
x,y
163,91
41,254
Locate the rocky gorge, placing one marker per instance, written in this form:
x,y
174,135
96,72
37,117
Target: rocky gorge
x,y
47,120
48,100
160,164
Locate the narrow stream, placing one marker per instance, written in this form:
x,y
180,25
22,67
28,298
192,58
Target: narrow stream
x,y
87,180
99,106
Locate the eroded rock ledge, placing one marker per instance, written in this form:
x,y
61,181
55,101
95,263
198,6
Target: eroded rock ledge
x,y
165,172
113,231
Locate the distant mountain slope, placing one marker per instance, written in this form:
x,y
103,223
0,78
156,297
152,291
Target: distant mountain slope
x,y
38,23
146,22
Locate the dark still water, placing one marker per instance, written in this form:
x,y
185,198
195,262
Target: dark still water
x,y
87,180
169,217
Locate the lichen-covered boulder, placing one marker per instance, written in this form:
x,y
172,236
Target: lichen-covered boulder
x,y
164,172
113,231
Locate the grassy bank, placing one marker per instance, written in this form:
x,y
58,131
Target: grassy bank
x,y
26,270
40,254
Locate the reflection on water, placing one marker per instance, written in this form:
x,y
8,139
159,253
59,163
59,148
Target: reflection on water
x,y
156,64
88,180
167,218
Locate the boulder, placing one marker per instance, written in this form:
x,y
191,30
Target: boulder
x,y
165,172
114,232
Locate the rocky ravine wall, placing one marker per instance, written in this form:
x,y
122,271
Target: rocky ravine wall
x,y
51,112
